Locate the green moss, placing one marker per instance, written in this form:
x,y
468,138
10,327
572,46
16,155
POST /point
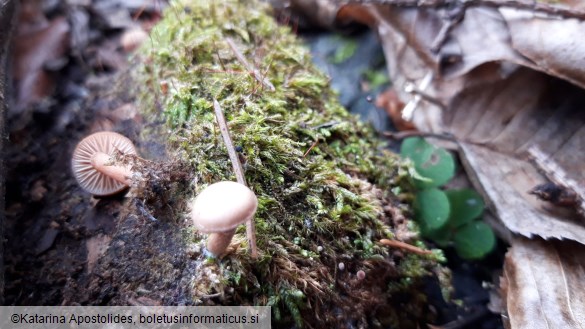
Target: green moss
x,y
347,48
322,178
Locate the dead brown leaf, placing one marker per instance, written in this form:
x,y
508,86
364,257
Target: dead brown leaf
x,y
496,95
553,45
543,284
34,49
391,103
497,123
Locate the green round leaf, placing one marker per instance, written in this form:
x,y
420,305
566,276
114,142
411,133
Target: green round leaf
x,y
442,236
412,146
436,164
429,161
431,209
466,205
474,240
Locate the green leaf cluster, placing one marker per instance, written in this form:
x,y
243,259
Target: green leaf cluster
x,y
446,217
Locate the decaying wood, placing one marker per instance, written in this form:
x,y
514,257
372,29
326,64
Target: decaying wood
x,y
543,285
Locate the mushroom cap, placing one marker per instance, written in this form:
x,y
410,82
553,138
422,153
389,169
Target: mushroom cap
x,y
222,206
86,175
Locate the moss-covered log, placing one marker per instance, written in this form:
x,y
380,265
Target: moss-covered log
x,y
327,188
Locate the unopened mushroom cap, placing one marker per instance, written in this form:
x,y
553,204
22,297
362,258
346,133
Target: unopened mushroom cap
x,y
223,206
86,175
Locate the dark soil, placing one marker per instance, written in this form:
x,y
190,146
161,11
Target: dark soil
x,y
55,231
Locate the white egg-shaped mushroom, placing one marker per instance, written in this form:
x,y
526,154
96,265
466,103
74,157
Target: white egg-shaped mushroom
x,y
91,163
219,209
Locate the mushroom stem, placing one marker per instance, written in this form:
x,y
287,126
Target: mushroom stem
x,y
217,243
101,162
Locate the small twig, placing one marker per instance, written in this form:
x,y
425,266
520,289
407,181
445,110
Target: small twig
x,y
310,148
326,125
452,18
239,171
405,246
265,73
139,13
250,229
400,135
219,58
556,174
412,89
263,80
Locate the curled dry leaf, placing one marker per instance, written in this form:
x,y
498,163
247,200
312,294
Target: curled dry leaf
x,y
552,45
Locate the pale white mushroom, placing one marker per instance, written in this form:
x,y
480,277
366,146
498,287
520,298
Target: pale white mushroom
x,y
91,163
219,209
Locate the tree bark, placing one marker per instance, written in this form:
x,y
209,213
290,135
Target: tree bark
x,y
7,19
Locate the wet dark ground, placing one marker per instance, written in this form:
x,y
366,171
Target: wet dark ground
x,y
52,224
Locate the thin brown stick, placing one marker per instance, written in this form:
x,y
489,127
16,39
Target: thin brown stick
x,y
262,79
310,148
250,229
413,90
405,246
400,135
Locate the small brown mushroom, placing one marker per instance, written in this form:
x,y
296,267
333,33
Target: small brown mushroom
x,y
91,163
219,209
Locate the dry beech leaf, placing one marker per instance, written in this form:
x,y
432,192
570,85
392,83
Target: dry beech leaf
x,y
543,286
498,123
553,45
499,98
